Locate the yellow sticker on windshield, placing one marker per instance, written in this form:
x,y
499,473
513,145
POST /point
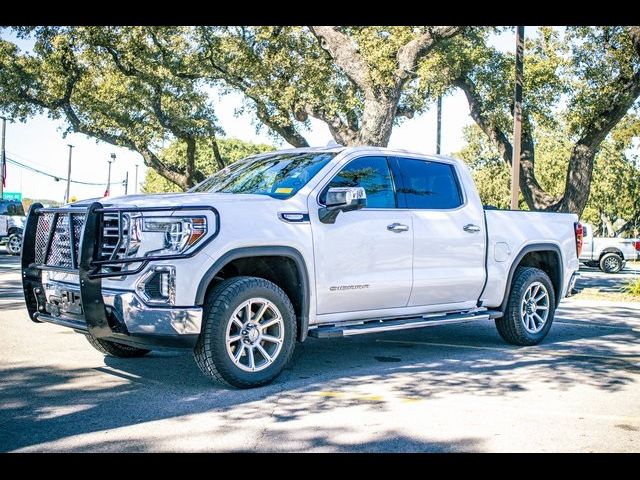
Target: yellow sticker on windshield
x,y
284,190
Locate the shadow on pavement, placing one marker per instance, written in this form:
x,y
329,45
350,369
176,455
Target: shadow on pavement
x,y
49,403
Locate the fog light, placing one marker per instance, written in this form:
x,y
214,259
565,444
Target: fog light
x,y
164,284
159,285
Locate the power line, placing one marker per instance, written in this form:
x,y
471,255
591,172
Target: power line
x,y
55,177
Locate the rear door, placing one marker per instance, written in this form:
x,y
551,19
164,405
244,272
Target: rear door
x,y
448,230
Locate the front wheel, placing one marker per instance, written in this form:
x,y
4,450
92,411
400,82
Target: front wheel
x,y
530,308
249,332
611,263
14,244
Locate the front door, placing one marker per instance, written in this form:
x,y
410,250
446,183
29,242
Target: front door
x,y
363,262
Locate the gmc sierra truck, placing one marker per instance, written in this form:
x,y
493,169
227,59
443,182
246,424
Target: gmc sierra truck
x,y
320,242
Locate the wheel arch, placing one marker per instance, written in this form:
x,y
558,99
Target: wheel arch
x,y
615,250
539,255
296,287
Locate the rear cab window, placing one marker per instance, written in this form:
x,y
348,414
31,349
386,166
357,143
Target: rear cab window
x,y
426,184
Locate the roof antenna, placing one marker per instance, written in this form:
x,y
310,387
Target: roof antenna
x,y
332,144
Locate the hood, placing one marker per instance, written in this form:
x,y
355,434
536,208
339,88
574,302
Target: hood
x,y
173,199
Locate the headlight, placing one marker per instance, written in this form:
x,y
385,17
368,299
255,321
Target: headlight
x,y
180,233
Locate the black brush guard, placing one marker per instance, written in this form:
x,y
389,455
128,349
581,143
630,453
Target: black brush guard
x,y
88,262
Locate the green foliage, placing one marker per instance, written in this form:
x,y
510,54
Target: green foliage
x,y
633,287
128,86
490,174
231,150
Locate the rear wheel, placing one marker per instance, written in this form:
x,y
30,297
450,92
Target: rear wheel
x,y
113,349
530,308
611,263
249,332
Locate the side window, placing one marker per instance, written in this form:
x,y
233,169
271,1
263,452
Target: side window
x,y
585,231
371,173
428,185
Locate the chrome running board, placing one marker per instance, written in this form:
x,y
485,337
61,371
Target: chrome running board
x,y
378,325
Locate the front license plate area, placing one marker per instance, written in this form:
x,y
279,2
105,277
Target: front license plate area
x,y
66,302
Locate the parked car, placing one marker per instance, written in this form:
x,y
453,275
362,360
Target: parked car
x,y
321,242
12,220
610,254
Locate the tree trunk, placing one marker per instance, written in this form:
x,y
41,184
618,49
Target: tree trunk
x,y
578,182
606,221
377,120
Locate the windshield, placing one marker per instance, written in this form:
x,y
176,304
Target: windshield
x,y
280,175
11,208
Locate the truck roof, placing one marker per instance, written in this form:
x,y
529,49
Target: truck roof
x,y
363,149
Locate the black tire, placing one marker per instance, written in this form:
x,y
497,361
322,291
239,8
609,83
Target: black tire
x,y
113,349
511,326
11,241
611,263
211,353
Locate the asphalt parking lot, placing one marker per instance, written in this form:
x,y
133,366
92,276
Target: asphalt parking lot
x,y
449,388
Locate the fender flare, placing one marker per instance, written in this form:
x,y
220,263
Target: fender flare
x,y
266,251
534,247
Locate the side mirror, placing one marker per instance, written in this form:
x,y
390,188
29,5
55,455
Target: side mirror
x,y
342,199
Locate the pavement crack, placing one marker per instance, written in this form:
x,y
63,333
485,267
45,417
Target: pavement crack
x,y
267,422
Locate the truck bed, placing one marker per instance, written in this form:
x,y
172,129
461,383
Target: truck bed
x,y
509,234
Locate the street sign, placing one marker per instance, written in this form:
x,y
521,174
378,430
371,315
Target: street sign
x,y
12,196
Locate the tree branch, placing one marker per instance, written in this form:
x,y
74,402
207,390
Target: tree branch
x,y
533,193
409,54
343,133
405,111
634,33
486,124
216,152
345,54
288,131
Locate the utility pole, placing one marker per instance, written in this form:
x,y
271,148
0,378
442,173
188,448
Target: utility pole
x,y
66,195
108,190
135,187
3,160
439,128
517,119
126,183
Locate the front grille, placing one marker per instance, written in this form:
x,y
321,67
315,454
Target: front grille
x,y
110,236
59,254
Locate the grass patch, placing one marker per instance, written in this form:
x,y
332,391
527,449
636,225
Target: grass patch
x,y
633,288
597,294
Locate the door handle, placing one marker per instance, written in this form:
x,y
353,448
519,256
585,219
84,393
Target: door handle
x,y
398,228
471,228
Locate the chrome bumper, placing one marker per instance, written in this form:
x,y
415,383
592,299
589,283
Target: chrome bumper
x,y
136,319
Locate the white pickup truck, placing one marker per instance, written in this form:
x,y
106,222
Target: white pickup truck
x,y
610,254
321,242
11,224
